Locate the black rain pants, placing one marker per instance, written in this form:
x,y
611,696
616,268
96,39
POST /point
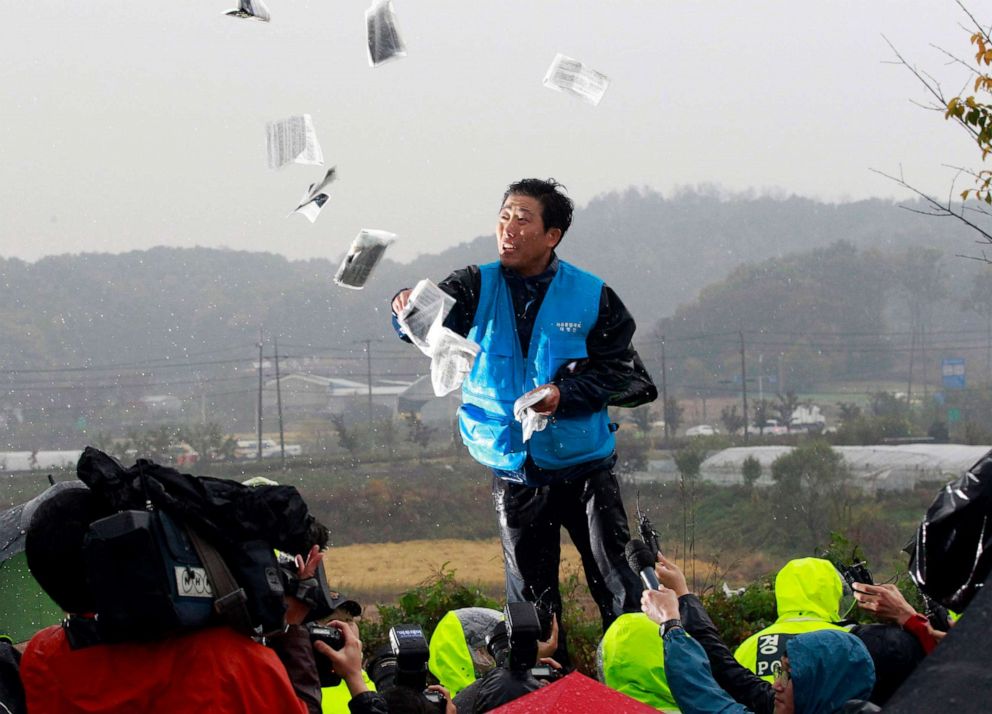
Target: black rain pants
x,y
591,510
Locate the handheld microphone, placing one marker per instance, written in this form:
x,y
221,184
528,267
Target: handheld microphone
x,y
641,560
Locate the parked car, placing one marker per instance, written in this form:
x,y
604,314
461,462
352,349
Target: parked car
x,y
701,430
247,449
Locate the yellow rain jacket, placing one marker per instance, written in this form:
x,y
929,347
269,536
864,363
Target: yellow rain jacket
x,y
334,700
807,593
458,635
631,659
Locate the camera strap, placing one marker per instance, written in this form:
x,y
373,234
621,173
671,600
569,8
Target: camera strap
x,y
230,600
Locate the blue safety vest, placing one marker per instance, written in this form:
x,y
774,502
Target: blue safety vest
x,y
501,374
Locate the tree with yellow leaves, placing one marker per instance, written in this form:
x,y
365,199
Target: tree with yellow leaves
x,y
973,113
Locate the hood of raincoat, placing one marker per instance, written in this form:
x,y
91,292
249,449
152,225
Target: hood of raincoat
x,y
631,660
460,633
829,667
809,587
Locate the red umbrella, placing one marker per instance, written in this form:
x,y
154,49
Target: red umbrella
x,y
575,694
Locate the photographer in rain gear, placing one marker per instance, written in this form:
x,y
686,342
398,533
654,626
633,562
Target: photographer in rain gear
x,y
808,593
629,660
821,672
211,669
458,646
521,662
743,685
144,561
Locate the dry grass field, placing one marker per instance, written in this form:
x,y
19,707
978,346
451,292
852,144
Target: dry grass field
x,y
381,572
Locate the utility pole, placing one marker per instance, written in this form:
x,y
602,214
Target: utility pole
x,y
988,345
664,390
923,359
368,361
282,437
761,376
743,384
912,351
258,420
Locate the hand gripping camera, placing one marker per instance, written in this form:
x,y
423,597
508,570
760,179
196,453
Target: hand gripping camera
x,y
403,663
513,642
332,637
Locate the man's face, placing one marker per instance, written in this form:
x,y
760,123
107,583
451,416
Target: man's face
x,y
784,700
523,243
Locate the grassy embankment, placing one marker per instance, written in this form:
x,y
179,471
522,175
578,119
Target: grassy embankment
x,y
395,524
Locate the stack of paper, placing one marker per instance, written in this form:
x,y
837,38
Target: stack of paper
x,y
315,198
385,42
293,139
569,75
452,356
250,10
428,305
364,254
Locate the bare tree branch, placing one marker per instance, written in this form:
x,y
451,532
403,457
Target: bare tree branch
x,y
955,59
981,259
981,30
942,211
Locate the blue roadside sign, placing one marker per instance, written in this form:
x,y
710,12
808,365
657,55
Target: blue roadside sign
x,y
952,373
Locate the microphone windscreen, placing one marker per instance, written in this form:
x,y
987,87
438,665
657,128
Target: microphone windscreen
x,y
639,556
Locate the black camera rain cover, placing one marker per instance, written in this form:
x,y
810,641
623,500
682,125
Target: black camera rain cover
x,y
224,512
951,556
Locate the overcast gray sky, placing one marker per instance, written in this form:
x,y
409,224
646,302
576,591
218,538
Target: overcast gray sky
x,y
127,125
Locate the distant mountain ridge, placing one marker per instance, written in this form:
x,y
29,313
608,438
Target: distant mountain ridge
x,y
657,252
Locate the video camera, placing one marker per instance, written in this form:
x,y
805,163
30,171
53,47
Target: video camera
x,y
182,552
513,642
403,663
151,576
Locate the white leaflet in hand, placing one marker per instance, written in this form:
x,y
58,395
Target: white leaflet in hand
x,y
569,75
364,254
314,198
428,304
293,139
452,357
384,38
250,10
528,418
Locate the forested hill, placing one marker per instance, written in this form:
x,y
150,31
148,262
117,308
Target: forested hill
x,y
657,252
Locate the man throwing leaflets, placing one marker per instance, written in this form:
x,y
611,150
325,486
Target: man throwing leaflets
x,y
543,323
